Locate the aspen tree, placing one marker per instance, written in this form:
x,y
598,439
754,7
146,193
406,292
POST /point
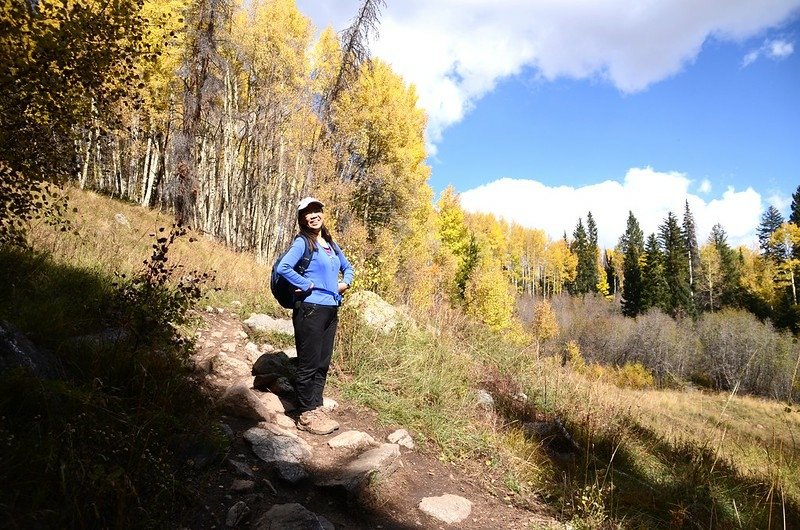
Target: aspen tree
x,y
709,277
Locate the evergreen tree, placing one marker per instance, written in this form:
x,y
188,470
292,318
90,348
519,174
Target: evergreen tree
x,y
586,277
601,285
690,237
655,291
591,231
632,247
771,220
729,265
676,267
794,217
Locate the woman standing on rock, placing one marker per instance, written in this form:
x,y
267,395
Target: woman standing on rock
x,y
315,315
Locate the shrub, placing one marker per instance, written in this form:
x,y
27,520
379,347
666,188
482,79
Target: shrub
x,y
740,351
633,375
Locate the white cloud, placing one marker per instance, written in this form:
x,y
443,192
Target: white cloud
x,y
780,49
649,194
456,51
705,187
776,50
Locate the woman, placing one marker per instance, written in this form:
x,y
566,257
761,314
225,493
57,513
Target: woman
x,y
319,293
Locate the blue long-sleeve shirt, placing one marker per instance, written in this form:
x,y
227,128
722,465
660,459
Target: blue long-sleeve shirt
x,y
322,272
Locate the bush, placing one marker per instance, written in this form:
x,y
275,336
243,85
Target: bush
x,y
633,375
723,350
739,351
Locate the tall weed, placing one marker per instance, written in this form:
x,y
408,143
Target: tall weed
x,y
107,443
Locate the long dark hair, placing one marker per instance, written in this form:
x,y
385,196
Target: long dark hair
x,y
309,234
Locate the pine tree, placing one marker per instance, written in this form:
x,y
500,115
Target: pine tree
x,y
591,231
729,265
586,278
771,220
690,237
676,267
601,285
794,217
632,247
655,291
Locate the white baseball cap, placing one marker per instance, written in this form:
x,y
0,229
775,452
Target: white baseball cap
x,y
308,201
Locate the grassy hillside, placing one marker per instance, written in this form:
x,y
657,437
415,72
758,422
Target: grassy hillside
x,y
111,434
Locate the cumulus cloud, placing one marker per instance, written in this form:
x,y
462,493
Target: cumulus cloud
x,y
705,187
456,51
776,50
648,193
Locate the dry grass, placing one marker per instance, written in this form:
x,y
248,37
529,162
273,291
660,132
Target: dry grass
x,y
116,236
758,437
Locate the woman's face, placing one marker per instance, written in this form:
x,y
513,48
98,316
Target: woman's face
x,y
313,217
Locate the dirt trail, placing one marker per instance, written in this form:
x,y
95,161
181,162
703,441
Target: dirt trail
x,y
387,501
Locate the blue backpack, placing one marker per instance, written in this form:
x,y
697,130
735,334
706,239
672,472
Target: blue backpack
x,y
282,290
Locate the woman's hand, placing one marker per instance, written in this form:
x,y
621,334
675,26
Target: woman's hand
x,y
306,291
343,287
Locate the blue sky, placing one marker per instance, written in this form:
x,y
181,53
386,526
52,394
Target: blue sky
x,y
542,110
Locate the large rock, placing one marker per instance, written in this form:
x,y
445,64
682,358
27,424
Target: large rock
x,y
381,461
291,517
266,323
351,440
376,313
273,444
447,508
554,438
272,367
237,514
275,403
240,400
226,367
16,350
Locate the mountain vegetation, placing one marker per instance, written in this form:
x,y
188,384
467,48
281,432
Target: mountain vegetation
x,y
217,116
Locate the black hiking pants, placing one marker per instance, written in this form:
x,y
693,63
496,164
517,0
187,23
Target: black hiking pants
x,y
314,332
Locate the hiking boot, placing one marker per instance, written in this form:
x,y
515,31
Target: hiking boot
x,y
316,422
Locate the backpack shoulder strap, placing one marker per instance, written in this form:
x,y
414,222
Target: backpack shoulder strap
x,y
305,260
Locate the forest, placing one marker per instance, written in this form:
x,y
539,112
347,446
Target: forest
x,y
225,113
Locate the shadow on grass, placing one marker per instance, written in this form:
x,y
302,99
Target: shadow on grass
x,y
636,476
98,445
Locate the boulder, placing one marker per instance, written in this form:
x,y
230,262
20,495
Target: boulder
x,y
224,366
265,323
291,516
448,508
351,440
242,401
276,364
237,514
381,461
377,313
273,444
16,350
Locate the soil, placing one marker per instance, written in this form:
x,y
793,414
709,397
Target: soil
x,y
390,503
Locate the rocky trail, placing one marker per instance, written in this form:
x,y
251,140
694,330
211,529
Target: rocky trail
x,y
365,475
